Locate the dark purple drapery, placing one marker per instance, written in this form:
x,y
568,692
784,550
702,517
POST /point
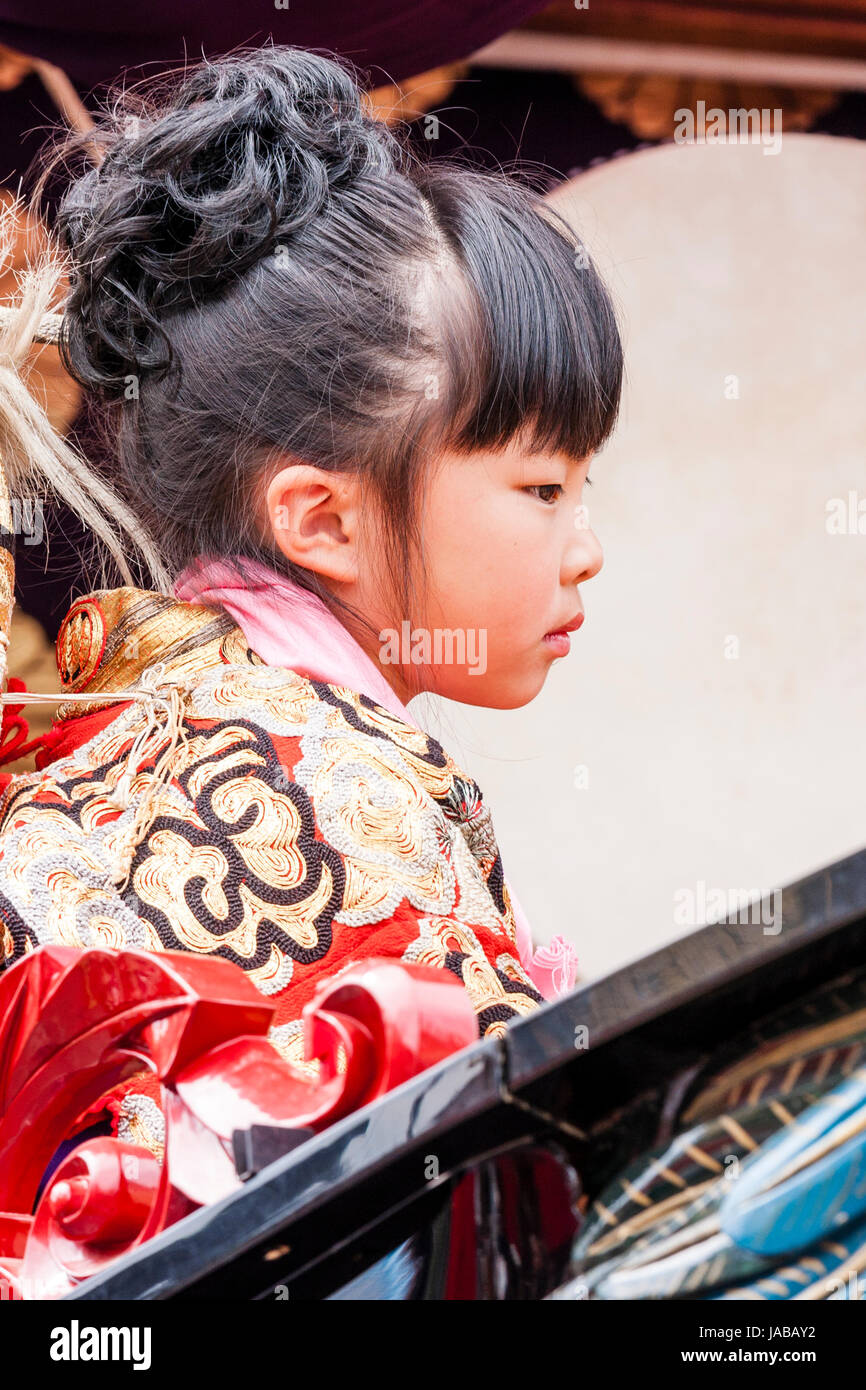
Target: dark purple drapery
x,y
388,40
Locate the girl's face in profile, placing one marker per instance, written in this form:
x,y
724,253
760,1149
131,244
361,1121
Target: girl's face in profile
x,y
506,546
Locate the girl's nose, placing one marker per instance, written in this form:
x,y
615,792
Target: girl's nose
x,y
585,558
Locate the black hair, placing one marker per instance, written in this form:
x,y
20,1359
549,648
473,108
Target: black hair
x,y
260,269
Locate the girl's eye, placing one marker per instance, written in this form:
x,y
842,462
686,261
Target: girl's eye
x,y
539,488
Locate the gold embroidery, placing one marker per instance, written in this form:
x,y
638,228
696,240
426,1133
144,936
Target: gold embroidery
x,y
291,809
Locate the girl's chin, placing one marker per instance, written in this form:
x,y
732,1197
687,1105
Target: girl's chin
x,y
490,692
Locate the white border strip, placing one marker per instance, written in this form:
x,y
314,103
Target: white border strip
x,y
566,53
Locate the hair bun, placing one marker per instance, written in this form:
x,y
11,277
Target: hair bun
x,y
198,183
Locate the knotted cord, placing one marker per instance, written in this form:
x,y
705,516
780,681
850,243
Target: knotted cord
x,y
155,688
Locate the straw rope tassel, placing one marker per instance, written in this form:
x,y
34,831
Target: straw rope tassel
x,y
161,697
47,332
7,574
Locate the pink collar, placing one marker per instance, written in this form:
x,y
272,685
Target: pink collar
x,y
288,626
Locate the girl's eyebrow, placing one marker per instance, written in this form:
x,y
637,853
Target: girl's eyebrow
x,y
581,463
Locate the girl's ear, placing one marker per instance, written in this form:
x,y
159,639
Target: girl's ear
x,y
313,518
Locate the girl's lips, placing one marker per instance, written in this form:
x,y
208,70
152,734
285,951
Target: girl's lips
x,y
567,627
560,639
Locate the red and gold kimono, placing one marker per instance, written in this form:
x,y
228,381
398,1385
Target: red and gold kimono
x,y
288,825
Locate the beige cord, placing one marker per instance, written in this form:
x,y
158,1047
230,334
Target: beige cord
x,y
64,95
48,330
68,103
145,746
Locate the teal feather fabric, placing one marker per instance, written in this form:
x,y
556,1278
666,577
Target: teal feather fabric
x,y
761,1191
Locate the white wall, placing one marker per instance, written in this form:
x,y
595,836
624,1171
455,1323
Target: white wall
x,y
741,773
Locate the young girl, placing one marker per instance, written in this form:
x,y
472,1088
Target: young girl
x,y
353,399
